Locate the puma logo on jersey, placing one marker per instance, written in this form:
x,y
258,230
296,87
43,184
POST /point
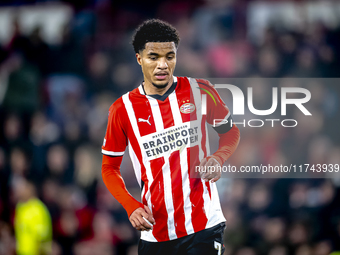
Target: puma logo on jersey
x,y
143,120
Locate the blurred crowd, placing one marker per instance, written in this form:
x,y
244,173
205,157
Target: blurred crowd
x,y
54,101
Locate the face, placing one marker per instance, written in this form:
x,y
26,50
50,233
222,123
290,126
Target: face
x,y
158,61
23,190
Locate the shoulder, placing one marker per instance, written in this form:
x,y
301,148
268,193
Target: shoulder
x,y
193,82
32,207
37,204
205,86
116,105
202,83
197,82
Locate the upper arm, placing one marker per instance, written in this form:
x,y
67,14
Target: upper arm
x,y
115,140
218,114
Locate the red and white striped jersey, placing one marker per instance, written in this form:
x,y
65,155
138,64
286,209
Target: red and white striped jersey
x,y
166,140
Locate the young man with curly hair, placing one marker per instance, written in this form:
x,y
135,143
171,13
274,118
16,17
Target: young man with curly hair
x,y
164,124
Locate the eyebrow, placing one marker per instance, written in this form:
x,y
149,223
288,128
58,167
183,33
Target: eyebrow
x,y
156,54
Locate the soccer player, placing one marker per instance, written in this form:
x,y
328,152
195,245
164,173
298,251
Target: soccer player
x,y
163,121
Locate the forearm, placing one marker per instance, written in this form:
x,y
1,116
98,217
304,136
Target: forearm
x,y
227,144
115,184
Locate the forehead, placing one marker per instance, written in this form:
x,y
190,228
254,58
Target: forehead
x,y
159,47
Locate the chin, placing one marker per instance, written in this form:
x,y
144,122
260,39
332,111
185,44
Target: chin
x,y
160,85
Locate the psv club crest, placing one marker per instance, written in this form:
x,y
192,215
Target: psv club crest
x,y
187,107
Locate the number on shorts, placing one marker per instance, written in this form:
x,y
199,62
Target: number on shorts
x,y
218,247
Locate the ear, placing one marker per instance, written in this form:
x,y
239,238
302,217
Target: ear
x,y
139,58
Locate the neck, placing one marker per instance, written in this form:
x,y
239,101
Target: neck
x,y
26,198
150,89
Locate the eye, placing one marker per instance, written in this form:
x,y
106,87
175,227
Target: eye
x,y
153,58
170,57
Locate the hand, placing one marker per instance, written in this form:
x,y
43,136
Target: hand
x,y
137,221
212,173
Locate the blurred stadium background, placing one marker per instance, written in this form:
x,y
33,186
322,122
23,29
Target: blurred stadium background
x,y
62,64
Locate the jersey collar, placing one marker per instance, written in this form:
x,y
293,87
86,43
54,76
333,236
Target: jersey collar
x,y
159,97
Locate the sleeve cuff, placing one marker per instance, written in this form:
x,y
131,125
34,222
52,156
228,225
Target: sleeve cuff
x,y
113,153
217,158
131,208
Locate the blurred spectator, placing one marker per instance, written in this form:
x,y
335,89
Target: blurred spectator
x,y
7,241
12,129
97,116
33,226
68,57
22,95
19,43
3,182
57,165
50,192
74,221
42,134
19,164
305,64
42,130
298,234
99,72
304,250
85,174
38,52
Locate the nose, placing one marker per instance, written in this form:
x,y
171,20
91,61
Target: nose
x,y
162,64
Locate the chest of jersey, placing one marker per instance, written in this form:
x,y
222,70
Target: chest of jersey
x,y
166,126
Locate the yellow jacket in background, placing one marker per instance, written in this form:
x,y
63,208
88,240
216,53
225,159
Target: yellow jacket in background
x,y
33,228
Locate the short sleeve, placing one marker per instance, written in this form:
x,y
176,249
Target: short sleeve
x,y
115,140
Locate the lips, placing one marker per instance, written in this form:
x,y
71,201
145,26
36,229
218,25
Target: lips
x,y
161,75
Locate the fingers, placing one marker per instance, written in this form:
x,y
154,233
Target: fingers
x,y
145,220
216,178
201,166
143,225
141,220
133,223
149,217
137,224
203,162
140,224
211,173
208,175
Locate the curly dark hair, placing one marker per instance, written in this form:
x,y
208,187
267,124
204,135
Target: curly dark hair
x,y
154,30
